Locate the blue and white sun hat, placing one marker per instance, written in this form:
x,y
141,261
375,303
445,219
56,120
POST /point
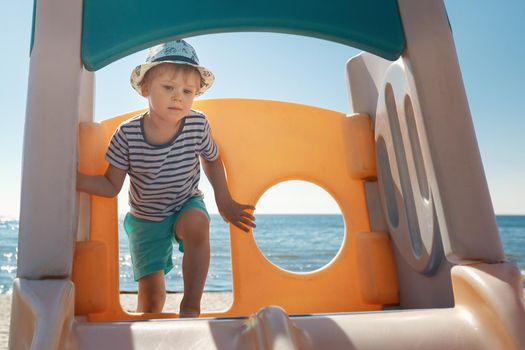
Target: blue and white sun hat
x,y
179,52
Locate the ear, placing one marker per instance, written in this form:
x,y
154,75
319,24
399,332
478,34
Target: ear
x,y
144,89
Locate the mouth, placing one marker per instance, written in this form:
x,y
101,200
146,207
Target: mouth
x,y
175,108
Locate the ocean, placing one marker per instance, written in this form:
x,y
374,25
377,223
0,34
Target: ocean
x,y
294,242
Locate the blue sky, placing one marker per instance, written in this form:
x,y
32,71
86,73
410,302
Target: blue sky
x,y
489,39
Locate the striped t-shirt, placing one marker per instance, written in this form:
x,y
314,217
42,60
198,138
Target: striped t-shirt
x,y
162,177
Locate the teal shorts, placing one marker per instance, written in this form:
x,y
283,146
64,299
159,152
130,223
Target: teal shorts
x,y
151,242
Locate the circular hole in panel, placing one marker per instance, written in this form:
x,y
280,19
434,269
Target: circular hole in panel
x,y
300,227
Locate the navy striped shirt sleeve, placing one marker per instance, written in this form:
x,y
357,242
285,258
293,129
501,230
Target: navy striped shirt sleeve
x,y
207,148
118,152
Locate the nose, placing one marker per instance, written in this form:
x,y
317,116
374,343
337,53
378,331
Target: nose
x,y
176,94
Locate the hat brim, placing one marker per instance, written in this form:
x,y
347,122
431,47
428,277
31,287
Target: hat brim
x,y
207,77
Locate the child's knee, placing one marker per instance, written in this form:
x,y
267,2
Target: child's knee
x,y
197,234
193,227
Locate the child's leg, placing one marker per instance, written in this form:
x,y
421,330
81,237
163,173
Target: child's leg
x,y
193,227
152,292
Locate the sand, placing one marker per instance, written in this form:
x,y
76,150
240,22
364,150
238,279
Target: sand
x,y
5,314
211,301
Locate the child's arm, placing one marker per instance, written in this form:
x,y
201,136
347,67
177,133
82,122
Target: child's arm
x,y
107,185
231,211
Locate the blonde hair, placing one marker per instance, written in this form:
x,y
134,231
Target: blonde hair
x,y
174,68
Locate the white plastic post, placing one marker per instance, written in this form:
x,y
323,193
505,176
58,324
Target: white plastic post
x,y
48,201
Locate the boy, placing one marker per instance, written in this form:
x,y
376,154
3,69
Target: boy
x,y
160,151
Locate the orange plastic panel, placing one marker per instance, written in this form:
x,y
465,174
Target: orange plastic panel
x,y
263,143
377,268
90,267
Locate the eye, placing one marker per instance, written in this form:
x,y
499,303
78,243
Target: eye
x,y
187,91
168,87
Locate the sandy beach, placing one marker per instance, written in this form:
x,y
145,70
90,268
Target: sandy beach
x,y
211,301
5,314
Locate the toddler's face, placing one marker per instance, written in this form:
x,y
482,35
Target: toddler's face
x,y
170,91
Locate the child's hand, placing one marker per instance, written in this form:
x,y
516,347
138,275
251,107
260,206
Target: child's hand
x,y
236,214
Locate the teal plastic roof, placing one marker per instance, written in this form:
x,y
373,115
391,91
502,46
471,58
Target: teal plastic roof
x,y
116,28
